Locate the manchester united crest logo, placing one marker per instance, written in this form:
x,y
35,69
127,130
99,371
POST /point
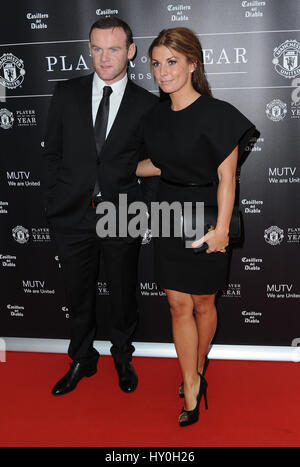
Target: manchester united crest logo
x,y
20,234
274,235
11,70
276,110
286,59
6,119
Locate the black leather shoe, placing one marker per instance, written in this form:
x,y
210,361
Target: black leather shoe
x,y
128,379
78,370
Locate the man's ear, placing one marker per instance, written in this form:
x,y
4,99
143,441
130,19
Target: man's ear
x,y
131,51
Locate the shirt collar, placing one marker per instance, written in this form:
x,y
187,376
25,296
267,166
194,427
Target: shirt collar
x,y
117,88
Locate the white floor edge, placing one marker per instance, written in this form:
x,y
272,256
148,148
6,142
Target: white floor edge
x,y
151,349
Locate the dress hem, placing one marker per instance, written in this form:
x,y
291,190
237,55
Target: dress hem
x,y
179,289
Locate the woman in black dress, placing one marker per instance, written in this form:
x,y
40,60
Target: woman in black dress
x,y
192,139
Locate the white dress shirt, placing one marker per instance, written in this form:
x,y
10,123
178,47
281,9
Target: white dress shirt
x,y
115,99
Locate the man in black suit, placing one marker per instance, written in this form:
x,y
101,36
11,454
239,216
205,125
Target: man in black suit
x,y
92,148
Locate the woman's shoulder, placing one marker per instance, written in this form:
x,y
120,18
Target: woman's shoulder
x,y
221,109
219,104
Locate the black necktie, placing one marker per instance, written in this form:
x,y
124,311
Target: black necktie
x,y
100,127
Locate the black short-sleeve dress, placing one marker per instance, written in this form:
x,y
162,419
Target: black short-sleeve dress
x,y
188,146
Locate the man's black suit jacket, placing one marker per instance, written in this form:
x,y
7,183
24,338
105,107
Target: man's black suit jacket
x,y
70,151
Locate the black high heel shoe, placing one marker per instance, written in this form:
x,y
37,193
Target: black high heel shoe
x,y
181,387
187,417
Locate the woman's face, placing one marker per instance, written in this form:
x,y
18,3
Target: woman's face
x,y
172,70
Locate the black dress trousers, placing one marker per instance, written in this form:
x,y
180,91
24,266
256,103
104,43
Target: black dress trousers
x,y
82,253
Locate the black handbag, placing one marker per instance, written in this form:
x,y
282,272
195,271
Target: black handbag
x,y
188,224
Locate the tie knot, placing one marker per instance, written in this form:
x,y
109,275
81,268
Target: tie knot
x,y
107,90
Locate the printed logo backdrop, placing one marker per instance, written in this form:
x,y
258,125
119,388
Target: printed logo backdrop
x,y
251,53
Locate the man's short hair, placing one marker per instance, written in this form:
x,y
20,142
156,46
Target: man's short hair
x,y
113,22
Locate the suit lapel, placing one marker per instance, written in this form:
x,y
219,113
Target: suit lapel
x,y
119,124
84,100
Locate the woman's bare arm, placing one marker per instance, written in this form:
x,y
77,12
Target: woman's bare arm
x,y
218,239
226,191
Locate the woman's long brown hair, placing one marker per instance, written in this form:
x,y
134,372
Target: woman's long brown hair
x,y
185,41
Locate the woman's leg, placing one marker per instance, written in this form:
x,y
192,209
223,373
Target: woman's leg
x,y
185,336
206,319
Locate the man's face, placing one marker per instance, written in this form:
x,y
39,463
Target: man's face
x,y
110,53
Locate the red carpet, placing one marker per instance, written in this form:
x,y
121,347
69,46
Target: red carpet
x,y
250,404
